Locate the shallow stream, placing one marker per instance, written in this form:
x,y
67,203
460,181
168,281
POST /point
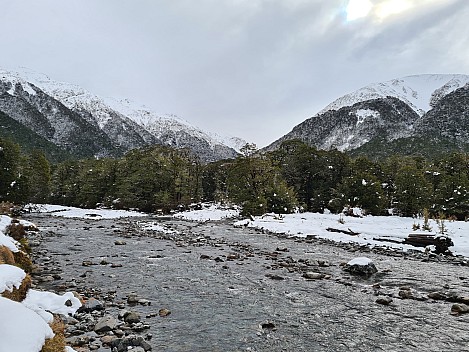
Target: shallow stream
x,y
234,289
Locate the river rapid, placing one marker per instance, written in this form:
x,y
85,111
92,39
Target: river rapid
x,y
235,289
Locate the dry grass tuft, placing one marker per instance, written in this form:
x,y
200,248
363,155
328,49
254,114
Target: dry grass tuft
x,y
19,294
16,231
23,261
6,256
57,343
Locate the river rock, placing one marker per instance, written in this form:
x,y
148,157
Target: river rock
x,y
132,317
78,341
361,266
437,296
406,294
120,243
459,308
384,301
137,349
127,343
164,312
106,324
132,298
91,305
107,339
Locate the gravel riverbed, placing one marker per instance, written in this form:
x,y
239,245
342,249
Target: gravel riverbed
x,y
213,287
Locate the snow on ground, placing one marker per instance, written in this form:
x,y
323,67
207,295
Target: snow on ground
x,y
6,241
44,302
361,261
21,329
10,277
210,212
369,228
72,212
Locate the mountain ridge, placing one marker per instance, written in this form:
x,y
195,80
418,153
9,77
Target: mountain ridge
x,y
119,124
392,111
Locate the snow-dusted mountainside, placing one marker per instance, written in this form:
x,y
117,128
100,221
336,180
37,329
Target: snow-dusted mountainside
x,y
120,123
424,108
420,92
49,119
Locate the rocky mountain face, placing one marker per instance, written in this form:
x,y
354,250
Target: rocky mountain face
x,y
424,115
86,125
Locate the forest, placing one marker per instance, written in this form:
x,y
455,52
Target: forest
x,y
296,177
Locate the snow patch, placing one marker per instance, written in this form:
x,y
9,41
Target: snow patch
x,y
21,329
213,212
363,114
72,212
10,277
45,303
361,261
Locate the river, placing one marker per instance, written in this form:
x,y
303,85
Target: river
x,y
235,289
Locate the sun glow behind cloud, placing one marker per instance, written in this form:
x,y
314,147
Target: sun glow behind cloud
x,y
358,8
381,9
392,7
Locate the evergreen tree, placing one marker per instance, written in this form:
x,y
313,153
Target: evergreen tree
x,y
258,186
39,177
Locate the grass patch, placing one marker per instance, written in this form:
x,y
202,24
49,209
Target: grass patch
x,y
57,343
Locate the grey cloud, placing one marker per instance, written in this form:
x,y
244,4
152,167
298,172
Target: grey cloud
x,y
252,68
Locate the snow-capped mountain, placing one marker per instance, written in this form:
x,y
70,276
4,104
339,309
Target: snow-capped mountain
x,y
121,125
420,92
392,113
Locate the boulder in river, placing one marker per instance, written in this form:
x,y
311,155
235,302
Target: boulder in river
x,y
361,266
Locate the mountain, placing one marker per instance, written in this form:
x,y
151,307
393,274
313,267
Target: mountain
x,y
423,114
86,125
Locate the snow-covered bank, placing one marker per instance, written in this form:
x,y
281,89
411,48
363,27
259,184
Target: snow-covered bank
x,y
209,212
24,325
73,212
369,228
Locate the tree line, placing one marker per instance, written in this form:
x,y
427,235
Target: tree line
x,y
294,177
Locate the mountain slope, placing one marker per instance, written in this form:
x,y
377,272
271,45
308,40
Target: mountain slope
x,y
411,115
87,125
29,140
50,119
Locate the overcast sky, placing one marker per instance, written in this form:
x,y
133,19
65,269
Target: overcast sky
x,y
249,68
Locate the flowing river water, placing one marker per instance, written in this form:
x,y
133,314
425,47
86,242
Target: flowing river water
x,y
235,289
